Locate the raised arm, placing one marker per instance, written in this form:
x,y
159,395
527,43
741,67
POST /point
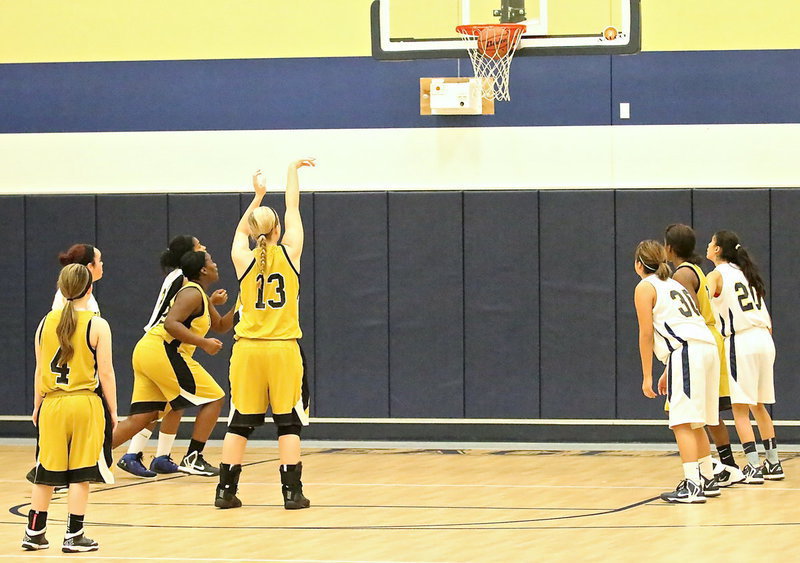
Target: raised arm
x,y
644,298
100,337
292,222
240,249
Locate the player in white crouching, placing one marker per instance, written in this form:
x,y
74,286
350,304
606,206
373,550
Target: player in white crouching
x,y
738,293
671,326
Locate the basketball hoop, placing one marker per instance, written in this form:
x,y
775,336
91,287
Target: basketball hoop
x,y
491,48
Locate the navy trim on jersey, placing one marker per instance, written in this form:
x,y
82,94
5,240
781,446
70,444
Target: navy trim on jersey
x,y
64,478
286,253
181,369
305,392
244,420
247,271
722,326
187,322
174,288
669,378
732,351
687,383
146,406
94,352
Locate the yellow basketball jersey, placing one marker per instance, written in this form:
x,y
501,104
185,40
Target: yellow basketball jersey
x,y
703,297
80,373
198,324
268,300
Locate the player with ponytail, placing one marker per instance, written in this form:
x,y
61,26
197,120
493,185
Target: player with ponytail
x,y
267,365
671,326
162,463
73,365
738,292
680,242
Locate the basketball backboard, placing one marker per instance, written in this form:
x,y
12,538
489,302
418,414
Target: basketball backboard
x,y
425,29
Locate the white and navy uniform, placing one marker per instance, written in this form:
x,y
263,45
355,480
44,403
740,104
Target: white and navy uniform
x,y
59,301
173,282
744,322
686,346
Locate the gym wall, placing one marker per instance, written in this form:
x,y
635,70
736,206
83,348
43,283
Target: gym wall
x,y
457,267
463,305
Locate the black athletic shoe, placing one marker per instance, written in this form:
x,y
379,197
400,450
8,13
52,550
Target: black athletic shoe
x,y
773,472
292,487
34,542
194,464
687,492
710,487
79,544
226,499
752,475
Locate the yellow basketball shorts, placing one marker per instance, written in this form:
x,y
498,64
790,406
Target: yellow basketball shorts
x,y
162,375
267,373
71,435
724,385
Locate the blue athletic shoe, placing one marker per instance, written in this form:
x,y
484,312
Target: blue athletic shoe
x,y
163,464
132,463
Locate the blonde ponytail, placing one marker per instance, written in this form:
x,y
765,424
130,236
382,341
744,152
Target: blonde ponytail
x,y
262,254
74,282
262,223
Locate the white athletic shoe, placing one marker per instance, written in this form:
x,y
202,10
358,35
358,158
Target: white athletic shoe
x,y
728,475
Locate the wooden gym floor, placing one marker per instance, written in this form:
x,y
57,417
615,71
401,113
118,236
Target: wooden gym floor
x,y
406,505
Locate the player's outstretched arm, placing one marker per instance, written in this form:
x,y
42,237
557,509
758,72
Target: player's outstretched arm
x,y
240,248
293,223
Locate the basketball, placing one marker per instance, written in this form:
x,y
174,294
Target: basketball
x,y
493,43
610,33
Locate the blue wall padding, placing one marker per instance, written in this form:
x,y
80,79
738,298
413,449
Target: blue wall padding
x,y
783,299
745,211
576,257
501,304
18,380
418,304
426,304
131,233
352,306
640,215
52,224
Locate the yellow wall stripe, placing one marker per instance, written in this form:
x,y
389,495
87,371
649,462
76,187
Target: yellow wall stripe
x,y
131,30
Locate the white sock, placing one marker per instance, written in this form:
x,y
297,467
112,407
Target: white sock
x,y
165,442
691,471
139,442
706,467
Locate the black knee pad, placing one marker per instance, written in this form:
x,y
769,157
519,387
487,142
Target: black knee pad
x,y
243,431
288,423
289,429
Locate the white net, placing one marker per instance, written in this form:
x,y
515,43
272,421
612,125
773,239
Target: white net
x,y
491,48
